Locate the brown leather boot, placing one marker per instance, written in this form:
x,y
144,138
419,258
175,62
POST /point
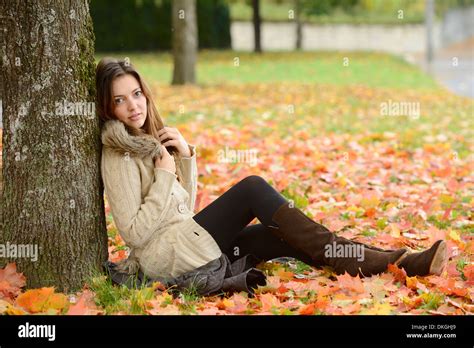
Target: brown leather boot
x,y
428,262
327,249
431,261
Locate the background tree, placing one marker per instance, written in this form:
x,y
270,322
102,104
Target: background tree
x,y
53,195
257,21
429,21
185,41
299,29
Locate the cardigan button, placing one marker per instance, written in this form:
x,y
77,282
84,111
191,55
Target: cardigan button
x,y
181,208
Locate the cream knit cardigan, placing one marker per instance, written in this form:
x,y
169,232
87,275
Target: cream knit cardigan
x,y
151,209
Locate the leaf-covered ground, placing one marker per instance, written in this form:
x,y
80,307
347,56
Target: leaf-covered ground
x,y
390,181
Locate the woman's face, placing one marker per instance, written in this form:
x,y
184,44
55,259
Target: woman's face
x,y
129,101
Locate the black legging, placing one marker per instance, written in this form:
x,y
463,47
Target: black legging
x,y
227,220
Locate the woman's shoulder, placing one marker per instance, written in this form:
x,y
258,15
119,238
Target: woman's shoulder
x,y
114,163
109,154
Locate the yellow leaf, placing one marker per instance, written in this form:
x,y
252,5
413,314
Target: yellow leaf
x,y
446,199
15,311
394,230
284,275
3,306
342,181
412,282
353,208
454,236
380,309
369,202
9,309
226,303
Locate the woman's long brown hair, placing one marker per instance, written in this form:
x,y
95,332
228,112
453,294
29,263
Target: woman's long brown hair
x,y
107,70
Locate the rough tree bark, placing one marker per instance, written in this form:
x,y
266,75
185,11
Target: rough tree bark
x,y
52,194
185,41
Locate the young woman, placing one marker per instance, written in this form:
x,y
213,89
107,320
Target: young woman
x,y
150,178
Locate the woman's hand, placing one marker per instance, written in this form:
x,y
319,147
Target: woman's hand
x,y
166,162
174,138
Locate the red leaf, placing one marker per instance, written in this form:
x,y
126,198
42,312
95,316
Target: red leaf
x,y
11,282
448,286
85,305
469,274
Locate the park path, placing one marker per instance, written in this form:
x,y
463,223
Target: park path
x,y
452,67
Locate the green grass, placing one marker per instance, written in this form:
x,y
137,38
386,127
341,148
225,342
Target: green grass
x,y
190,298
382,13
119,298
113,298
216,67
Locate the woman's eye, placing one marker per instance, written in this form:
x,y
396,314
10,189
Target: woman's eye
x,y
118,100
139,93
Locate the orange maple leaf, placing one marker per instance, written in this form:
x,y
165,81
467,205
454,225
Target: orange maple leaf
x,y
346,281
308,309
42,300
448,286
269,301
398,273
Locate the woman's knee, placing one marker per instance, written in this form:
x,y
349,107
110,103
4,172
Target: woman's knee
x,y
254,180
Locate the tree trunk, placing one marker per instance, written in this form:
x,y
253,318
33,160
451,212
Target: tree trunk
x,y
299,35
53,193
256,25
429,21
185,41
